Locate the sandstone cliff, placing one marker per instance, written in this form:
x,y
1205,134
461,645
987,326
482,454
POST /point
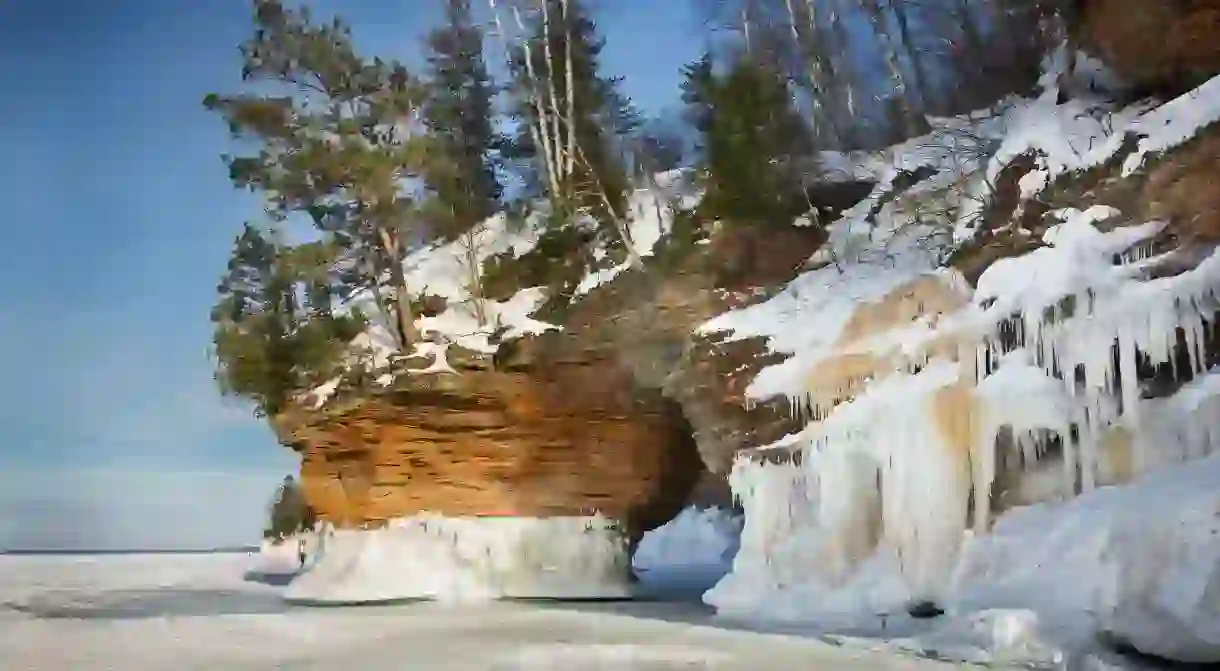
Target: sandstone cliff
x,y
564,434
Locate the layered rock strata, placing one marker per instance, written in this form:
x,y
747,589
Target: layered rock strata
x,y
568,436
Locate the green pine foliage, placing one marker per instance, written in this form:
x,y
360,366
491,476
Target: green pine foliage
x,y
290,512
460,116
379,160
336,139
750,135
274,331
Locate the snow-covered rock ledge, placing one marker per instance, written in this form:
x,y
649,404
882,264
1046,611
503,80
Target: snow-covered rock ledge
x,y
469,559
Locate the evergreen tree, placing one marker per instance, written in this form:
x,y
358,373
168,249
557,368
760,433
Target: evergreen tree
x,y
752,135
268,345
698,91
290,511
583,100
338,146
459,114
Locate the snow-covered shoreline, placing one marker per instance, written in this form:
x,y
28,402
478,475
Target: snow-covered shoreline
x,y
158,612
468,559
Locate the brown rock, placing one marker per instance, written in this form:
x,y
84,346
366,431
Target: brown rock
x,y
1155,44
566,437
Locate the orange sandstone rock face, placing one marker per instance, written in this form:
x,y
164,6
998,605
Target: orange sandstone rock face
x,y
568,437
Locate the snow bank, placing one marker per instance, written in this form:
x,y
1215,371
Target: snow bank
x,y
996,636
650,213
1140,562
453,271
281,557
468,558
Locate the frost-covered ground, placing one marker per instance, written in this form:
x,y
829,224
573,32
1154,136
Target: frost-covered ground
x,y
201,612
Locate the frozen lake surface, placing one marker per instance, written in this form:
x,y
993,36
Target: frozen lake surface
x,y
205,612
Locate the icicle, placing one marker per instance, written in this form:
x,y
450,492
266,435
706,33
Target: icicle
x,y
1128,377
983,460
1192,326
1026,445
1070,459
1087,454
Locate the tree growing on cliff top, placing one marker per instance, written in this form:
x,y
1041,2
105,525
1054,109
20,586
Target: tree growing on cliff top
x,y
459,114
274,331
751,136
572,119
338,139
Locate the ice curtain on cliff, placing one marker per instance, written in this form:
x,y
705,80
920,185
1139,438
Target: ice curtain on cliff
x,y
1083,359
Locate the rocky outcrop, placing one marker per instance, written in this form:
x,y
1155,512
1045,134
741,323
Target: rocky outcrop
x,y
623,412
651,321
563,434
1155,45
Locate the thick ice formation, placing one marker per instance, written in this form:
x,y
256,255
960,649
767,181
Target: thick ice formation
x,y
932,405
696,547
1140,561
928,413
469,558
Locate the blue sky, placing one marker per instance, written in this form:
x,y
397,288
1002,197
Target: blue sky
x,y
118,218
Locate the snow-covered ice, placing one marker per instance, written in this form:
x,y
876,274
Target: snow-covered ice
x,y
132,613
468,559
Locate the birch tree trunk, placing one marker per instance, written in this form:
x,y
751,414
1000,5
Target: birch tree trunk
x,y
817,71
535,136
556,125
571,89
538,131
918,68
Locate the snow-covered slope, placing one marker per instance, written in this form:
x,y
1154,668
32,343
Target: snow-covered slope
x,y
932,404
454,272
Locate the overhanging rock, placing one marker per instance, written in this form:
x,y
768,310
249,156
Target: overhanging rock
x,y
557,440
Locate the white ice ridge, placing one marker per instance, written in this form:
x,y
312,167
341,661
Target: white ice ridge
x,y
469,559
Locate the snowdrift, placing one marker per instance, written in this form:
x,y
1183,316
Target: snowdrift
x,y
282,557
1139,563
453,271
